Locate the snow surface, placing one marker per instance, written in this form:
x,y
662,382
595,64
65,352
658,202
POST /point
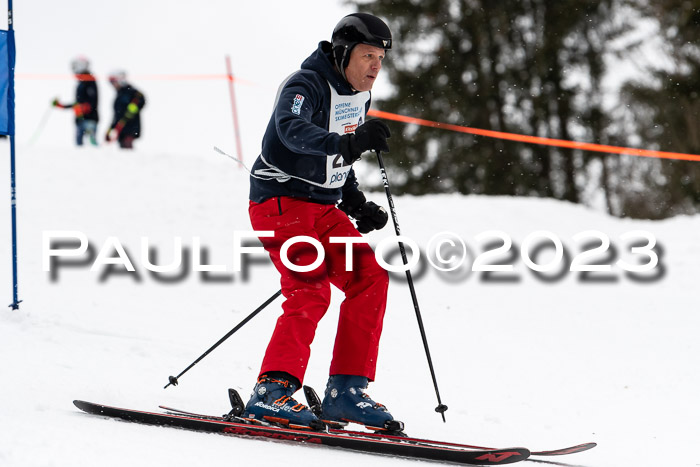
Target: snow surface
x,y
525,361
519,363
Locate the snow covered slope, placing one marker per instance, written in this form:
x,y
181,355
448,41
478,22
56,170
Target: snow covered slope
x,y
521,359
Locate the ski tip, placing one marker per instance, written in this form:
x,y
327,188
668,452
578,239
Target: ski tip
x,y
89,407
564,451
82,405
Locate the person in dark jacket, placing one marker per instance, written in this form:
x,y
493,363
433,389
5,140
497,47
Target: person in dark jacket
x,y
317,130
126,124
85,105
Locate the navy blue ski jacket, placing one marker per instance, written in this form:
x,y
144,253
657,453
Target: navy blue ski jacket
x,y
131,121
300,152
86,93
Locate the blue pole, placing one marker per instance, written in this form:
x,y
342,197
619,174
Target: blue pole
x,y
13,183
13,201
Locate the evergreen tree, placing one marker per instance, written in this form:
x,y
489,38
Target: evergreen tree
x,y
665,109
534,67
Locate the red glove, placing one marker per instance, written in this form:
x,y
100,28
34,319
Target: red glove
x,y
81,109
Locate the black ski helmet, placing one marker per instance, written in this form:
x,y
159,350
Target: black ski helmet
x,y
358,28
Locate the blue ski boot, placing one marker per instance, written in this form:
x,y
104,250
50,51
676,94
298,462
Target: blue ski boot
x,y
345,401
272,401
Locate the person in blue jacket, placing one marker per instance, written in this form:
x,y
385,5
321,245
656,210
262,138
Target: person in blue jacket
x,y
317,130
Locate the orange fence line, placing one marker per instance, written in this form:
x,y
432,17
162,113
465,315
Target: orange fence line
x,y
536,139
155,77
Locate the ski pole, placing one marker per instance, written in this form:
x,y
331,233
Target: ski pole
x,y
174,379
441,408
40,127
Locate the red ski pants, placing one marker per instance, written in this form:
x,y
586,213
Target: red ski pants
x,y
308,294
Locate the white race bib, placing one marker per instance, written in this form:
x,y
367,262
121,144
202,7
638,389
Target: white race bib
x,y
346,114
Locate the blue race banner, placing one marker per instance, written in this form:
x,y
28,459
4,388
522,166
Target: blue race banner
x,y
7,91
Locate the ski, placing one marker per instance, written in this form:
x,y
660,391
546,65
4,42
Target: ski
x,y
408,439
315,405
426,450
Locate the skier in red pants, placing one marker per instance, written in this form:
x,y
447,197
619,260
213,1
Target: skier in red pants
x,y
316,132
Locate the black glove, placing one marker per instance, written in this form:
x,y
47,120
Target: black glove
x,y
372,135
369,215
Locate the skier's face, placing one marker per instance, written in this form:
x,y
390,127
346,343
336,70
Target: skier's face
x,y
363,68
